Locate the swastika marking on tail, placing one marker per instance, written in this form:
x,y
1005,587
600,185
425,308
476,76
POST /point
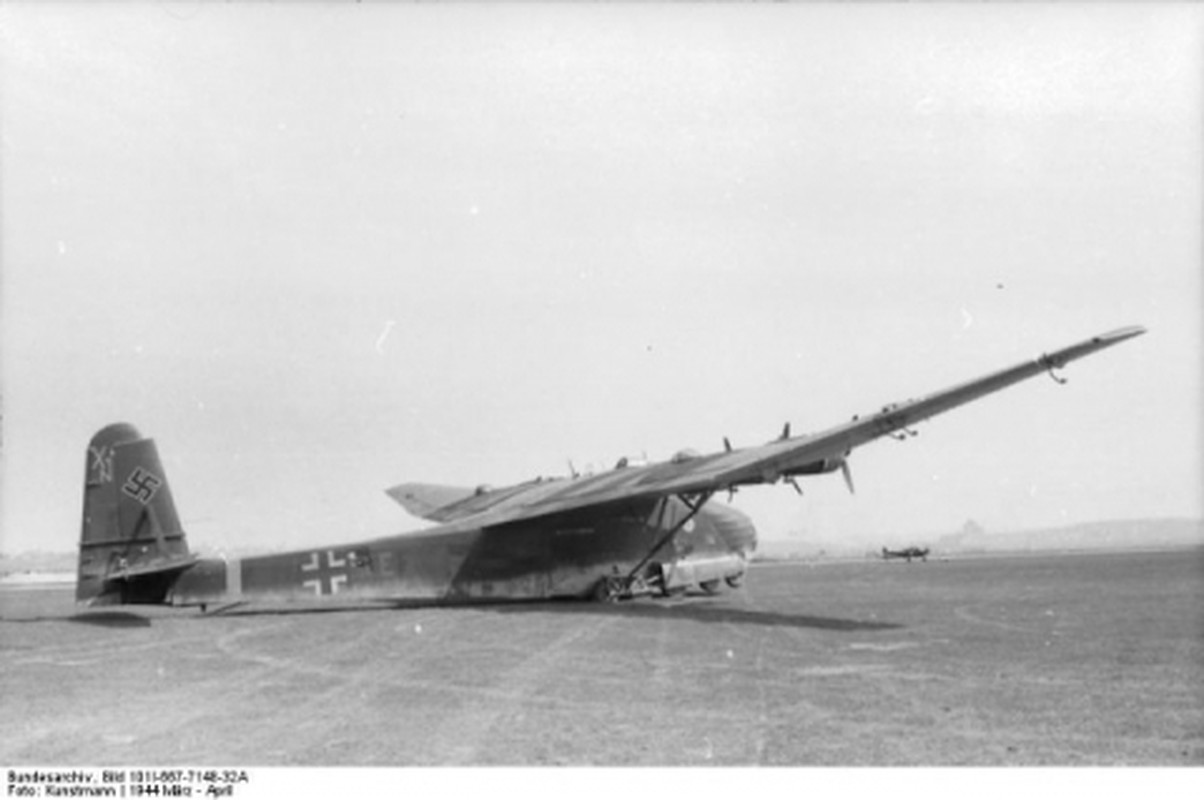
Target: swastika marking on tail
x,y
141,485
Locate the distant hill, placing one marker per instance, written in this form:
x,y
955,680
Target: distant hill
x,y
36,561
42,562
1108,535
1134,534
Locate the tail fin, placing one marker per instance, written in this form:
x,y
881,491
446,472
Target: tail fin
x,y
131,546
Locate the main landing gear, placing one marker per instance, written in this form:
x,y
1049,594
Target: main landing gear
x,y
645,581
614,588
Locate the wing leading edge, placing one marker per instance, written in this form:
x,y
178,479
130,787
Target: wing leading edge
x,y
800,455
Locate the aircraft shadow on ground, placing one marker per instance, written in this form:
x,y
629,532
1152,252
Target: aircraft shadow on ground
x,y
696,610
111,619
103,619
701,611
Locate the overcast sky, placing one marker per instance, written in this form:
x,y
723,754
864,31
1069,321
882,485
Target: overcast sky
x,y
321,249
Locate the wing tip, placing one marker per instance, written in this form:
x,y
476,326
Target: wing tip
x,y
1121,334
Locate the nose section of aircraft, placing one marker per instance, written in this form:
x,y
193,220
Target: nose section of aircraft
x,y
734,526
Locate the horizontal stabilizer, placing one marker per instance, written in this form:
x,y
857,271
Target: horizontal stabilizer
x,y
156,567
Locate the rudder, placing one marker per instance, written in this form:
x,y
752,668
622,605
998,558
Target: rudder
x,y
131,547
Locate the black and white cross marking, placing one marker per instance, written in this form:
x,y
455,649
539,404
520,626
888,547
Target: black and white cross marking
x,y
325,579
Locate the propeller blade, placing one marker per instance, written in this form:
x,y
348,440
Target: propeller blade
x,y
848,475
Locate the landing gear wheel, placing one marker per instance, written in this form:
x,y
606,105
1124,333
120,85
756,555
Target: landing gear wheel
x,y
710,587
607,590
735,581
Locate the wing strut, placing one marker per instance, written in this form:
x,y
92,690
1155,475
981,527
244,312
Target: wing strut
x,y
617,586
695,504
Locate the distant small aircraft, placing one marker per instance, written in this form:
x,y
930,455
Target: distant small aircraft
x,y
646,529
907,552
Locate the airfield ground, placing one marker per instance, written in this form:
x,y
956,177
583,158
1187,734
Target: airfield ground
x,y
1063,660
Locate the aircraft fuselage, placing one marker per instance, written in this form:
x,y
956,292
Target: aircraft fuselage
x,y
561,555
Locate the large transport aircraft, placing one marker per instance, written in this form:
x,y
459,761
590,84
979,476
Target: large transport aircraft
x,y
636,529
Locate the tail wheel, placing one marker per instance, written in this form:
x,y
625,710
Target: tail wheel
x,y
710,587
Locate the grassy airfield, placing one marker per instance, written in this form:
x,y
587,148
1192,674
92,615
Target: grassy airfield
x,y
1084,659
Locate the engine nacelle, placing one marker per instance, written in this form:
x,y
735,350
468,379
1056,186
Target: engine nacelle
x,y
820,467
689,572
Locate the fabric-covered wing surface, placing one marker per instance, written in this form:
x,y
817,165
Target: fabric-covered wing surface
x,y
767,463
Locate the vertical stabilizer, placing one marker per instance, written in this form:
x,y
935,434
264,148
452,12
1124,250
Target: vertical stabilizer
x,y
131,546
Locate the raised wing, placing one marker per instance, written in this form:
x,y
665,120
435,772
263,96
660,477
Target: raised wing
x,y
784,458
